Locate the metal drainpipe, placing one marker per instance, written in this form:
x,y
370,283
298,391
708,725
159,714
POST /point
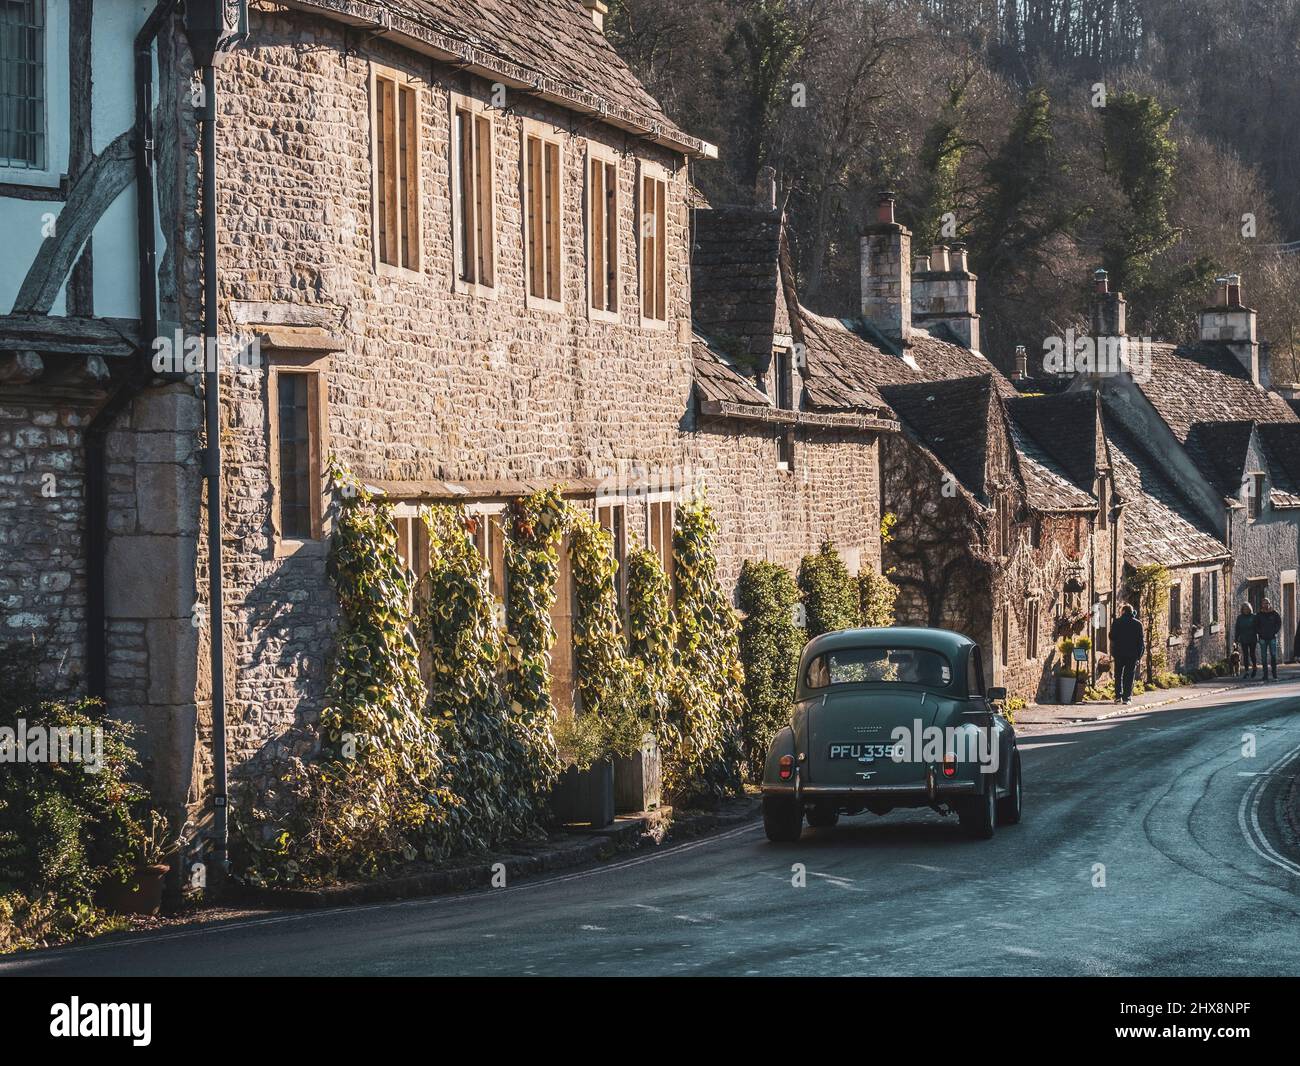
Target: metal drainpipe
x,y
212,471
96,486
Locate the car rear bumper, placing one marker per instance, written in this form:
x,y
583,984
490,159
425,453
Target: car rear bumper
x,y
850,792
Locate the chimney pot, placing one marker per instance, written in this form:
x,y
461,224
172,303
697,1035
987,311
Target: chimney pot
x,y
885,207
939,257
922,264
1101,280
958,259
1022,362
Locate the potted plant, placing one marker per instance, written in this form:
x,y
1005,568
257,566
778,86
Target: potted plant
x,y
584,791
1067,674
135,882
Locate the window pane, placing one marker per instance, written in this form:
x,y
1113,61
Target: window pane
x,y
483,213
295,456
22,83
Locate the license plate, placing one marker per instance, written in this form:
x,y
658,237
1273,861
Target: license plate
x,y
862,752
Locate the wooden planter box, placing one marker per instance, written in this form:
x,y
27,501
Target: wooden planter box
x,y
585,796
638,779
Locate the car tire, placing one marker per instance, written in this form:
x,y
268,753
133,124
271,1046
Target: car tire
x,y
822,817
979,816
1010,806
782,819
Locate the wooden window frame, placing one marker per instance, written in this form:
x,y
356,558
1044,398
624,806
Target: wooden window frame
x,y
654,499
412,538
552,222
316,366
658,271
409,211
1255,495
484,231
1175,619
619,531
604,158
486,511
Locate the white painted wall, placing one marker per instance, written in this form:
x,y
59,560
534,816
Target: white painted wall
x,y
116,288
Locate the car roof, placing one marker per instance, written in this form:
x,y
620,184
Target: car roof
x,y
944,641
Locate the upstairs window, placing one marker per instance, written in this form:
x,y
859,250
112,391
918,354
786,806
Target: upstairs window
x,y
395,135
653,228
473,204
602,234
22,84
542,217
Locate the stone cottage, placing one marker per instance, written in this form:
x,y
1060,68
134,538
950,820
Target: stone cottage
x,y
786,464
1228,444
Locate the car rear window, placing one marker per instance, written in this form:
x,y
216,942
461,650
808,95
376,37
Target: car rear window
x,y
855,666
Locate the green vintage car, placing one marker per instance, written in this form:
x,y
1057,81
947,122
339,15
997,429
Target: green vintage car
x,y
887,718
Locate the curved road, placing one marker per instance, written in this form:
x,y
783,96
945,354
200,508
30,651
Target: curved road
x,y
1165,801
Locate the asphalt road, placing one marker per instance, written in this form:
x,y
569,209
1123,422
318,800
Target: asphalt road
x,y
1163,800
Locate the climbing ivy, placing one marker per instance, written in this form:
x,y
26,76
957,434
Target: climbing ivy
x,y
770,644
463,647
830,595
707,702
374,796
597,628
1148,588
535,530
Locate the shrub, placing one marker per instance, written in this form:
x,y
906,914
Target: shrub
x,y
830,595
770,644
877,595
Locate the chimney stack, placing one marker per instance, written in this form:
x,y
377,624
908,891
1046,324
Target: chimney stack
x,y
1232,323
1109,309
599,9
1022,362
943,293
886,251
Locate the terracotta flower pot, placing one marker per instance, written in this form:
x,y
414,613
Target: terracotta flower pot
x,y
141,895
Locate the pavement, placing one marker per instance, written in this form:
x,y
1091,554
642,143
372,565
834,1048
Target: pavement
x,y
1151,845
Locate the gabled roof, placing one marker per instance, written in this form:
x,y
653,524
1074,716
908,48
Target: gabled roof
x,y
1065,427
954,420
1220,450
1160,524
716,380
842,370
736,279
1281,442
550,48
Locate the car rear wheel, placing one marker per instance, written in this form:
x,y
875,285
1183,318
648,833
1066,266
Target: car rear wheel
x,y
1010,804
782,819
979,815
822,817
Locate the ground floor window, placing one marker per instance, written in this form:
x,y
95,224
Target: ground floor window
x,y
1031,629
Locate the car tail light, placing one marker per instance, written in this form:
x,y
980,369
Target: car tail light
x,y
786,767
950,765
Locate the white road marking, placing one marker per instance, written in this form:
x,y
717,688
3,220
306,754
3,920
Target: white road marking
x,y
1248,817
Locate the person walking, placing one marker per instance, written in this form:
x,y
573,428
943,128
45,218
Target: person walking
x,y
1268,624
1127,643
1244,634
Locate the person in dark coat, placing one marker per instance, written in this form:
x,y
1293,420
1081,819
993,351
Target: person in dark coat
x,y
1268,624
1244,634
1127,643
